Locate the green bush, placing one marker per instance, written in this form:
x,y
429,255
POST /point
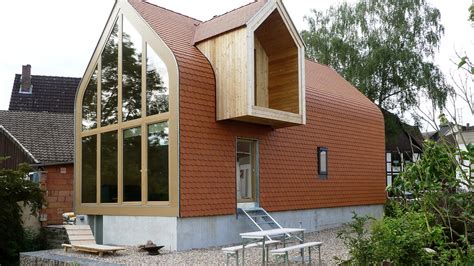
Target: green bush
x,y
401,240
357,238
438,215
15,188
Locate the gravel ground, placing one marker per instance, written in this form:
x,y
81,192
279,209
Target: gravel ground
x,y
214,256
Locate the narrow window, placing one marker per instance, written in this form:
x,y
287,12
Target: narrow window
x,y
131,72
157,84
89,104
158,162
109,81
108,167
89,169
323,162
132,180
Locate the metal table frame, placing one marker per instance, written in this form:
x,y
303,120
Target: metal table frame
x,y
257,236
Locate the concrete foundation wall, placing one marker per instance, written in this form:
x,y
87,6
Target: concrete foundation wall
x,y
137,230
224,230
202,232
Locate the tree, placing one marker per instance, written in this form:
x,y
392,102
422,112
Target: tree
x,y
385,48
15,188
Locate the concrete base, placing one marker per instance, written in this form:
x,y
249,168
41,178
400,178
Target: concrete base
x,y
202,232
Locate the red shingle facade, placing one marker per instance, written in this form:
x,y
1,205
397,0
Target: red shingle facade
x,y
339,117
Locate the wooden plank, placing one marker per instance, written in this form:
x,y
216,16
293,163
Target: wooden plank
x,y
261,75
227,54
80,232
98,247
82,242
77,227
81,237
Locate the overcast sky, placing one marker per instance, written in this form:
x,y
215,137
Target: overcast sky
x,y
57,37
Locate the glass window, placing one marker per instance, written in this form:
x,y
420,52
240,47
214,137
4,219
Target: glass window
x,y
89,104
158,162
322,162
132,153
108,167
131,72
89,169
157,84
109,81
246,170
144,91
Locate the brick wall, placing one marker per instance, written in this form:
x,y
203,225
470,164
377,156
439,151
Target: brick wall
x,y
58,181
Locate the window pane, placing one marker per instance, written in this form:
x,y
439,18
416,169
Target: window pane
x,y
245,178
132,164
89,169
158,162
131,69
157,83
109,79
89,104
108,167
323,162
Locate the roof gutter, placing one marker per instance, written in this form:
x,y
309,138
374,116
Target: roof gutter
x,y
49,164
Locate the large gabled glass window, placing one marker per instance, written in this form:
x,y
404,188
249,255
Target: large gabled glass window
x,y
125,123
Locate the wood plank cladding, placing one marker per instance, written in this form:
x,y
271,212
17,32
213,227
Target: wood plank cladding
x,y
261,75
228,56
257,70
282,54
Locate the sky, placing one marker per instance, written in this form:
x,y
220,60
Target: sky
x,y
58,37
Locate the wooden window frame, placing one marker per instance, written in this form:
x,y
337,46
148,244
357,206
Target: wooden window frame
x,y
168,208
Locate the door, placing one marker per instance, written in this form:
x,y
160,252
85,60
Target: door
x,y
246,174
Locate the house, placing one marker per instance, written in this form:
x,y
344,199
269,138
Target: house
x,y
38,93
182,125
45,141
38,130
403,144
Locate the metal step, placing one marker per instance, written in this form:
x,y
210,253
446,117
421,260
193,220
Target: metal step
x,y
264,219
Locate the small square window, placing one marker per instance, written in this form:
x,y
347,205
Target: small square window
x,y
323,162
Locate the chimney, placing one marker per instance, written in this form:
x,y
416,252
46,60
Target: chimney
x,y
26,86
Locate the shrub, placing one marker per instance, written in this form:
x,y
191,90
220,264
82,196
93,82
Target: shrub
x,y
357,238
438,214
14,188
401,240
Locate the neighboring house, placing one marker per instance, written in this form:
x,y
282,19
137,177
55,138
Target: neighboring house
x,y
182,125
45,141
403,144
38,130
35,93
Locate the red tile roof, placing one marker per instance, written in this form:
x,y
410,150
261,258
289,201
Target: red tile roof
x,y
226,22
288,175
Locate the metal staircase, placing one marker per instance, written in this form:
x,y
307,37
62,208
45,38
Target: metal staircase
x,y
261,219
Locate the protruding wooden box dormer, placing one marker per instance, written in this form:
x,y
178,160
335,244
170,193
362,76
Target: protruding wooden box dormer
x,y
259,66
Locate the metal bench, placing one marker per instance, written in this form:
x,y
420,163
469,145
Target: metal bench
x,y
284,251
234,250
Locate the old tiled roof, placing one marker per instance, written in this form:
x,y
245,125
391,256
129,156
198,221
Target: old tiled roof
x,y
50,94
49,137
399,136
228,21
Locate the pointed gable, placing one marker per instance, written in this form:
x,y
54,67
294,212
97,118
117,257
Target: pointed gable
x,y
226,22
